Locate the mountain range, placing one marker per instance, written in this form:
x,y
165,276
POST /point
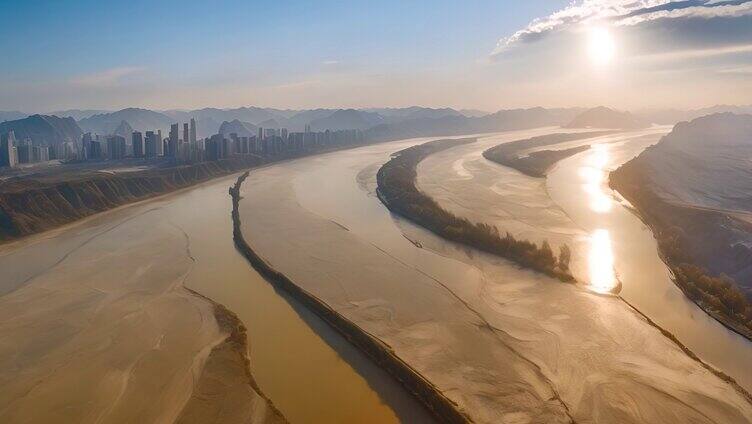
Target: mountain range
x,y
603,117
379,123
242,129
139,119
43,129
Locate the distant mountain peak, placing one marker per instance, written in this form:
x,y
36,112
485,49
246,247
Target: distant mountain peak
x,y
604,117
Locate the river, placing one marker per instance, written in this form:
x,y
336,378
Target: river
x,y
473,324
506,344
612,249
136,254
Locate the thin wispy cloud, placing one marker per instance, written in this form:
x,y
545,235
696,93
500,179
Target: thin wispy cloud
x,y
629,13
107,78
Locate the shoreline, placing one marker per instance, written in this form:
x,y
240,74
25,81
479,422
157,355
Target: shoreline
x,y
9,243
236,344
721,319
437,404
720,374
397,191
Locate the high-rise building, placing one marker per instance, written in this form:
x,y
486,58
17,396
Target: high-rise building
x,y
172,142
193,132
8,154
25,154
260,133
137,140
40,153
151,144
185,133
160,145
115,147
215,147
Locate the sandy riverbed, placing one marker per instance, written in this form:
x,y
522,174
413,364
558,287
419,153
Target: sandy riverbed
x,y
96,326
506,344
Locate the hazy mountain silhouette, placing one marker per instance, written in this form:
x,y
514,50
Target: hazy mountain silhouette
x,y
473,113
11,115
124,130
502,120
78,114
139,119
603,117
347,119
414,112
298,121
242,129
672,116
697,180
44,129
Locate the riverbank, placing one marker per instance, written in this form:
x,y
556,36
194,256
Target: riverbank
x,y
502,342
397,190
439,405
537,163
102,307
226,391
31,206
706,291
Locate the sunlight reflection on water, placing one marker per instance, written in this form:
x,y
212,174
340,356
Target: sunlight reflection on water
x,y
601,256
601,262
594,175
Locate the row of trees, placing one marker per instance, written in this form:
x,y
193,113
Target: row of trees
x,y
719,293
396,187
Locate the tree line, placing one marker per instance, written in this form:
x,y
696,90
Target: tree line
x,y
397,189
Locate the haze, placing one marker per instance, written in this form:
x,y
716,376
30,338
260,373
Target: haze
x,y
487,212
489,55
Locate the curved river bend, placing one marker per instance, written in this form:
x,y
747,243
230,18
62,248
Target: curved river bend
x,y
473,324
506,344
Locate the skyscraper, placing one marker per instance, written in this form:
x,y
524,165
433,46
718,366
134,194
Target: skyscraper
x,y
116,147
138,144
193,132
151,145
7,150
172,143
160,145
185,133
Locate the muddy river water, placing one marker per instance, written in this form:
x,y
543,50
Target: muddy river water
x,y
506,344
475,325
144,251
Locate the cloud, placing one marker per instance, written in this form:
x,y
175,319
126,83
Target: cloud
x,y
107,78
674,20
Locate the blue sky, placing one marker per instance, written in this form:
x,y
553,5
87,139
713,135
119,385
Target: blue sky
x,y
185,54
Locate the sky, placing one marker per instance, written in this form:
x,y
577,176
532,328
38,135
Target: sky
x,y
478,54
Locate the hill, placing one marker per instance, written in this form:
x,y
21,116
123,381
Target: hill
x,y
78,114
347,119
44,129
603,117
242,129
11,115
139,120
124,130
692,188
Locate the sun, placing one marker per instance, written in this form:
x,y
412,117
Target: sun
x,y
601,46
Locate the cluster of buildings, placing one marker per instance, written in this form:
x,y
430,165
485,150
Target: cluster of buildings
x,y
182,146
14,152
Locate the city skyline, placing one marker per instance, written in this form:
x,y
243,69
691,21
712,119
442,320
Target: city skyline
x,y
301,56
